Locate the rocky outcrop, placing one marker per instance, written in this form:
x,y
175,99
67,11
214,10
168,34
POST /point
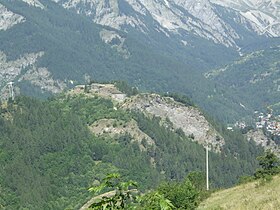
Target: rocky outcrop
x,y
8,19
25,68
174,115
10,70
35,3
189,119
262,140
115,129
42,78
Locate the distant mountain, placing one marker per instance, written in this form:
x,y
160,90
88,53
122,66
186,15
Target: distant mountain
x,y
226,24
262,15
167,46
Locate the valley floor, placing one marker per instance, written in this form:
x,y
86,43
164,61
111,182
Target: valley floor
x,y
253,195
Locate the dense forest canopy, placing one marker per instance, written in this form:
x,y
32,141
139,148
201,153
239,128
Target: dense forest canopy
x,y
49,158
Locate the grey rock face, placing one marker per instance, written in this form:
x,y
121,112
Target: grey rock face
x,y
263,15
199,17
189,119
262,140
8,19
35,3
12,70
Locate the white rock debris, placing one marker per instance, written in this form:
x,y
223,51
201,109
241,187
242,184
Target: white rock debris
x,y
8,19
115,128
35,3
189,119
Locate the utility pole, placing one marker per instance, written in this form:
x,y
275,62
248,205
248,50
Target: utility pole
x,y
207,168
11,90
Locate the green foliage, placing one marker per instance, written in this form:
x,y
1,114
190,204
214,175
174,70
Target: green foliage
x,y
270,165
49,158
245,179
154,200
198,179
225,168
236,147
180,98
121,195
46,157
91,109
125,88
248,80
183,195
117,194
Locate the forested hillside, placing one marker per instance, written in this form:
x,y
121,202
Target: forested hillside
x,y
253,78
49,157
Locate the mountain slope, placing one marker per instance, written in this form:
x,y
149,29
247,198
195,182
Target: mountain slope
x,y
200,18
52,151
254,78
247,196
264,16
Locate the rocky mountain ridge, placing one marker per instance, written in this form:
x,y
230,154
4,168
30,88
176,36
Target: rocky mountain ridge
x,y
201,18
8,19
189,119
264,15
173,114
73,140
35,3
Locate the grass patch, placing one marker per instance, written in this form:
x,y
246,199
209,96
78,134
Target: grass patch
x,y
252,195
